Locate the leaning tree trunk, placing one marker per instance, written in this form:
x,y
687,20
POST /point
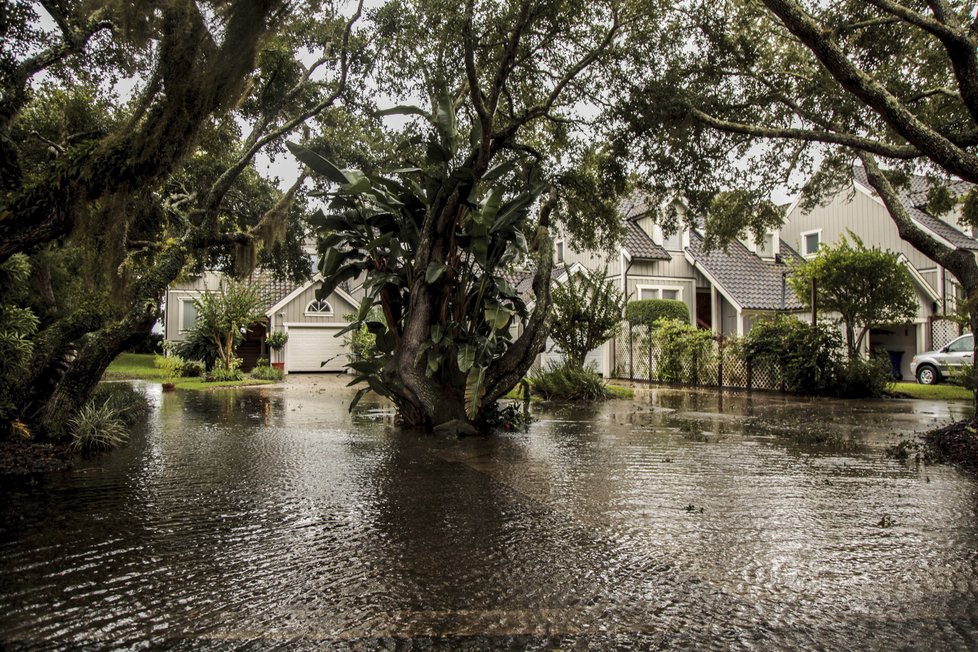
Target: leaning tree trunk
x,y
86,370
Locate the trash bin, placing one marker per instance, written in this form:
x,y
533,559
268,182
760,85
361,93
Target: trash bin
x,y
896,362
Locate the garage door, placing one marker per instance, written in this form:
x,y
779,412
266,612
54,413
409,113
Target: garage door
x,y
307,348
595,358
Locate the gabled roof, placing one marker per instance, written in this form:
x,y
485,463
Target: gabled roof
x,y
749,280
914,200
638,244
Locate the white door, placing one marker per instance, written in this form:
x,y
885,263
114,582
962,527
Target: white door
x,y
308,348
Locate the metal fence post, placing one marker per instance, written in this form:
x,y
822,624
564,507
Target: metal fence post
x,y
649,335
719,364
631,349
750,374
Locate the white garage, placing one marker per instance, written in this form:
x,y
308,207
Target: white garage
x,y
309,346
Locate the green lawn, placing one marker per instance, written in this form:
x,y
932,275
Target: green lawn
x,y
134,366
941,392
139,366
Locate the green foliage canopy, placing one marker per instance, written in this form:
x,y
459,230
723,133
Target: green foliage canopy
x,y
866,286
649,311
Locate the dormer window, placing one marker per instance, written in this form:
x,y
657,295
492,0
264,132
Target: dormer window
x,y
319,308
766,246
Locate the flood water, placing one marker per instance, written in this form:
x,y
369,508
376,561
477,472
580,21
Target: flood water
x,y
259,518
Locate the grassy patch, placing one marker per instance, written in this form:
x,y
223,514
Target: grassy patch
x,y
198,384
140,366
621,392
133,366
931,392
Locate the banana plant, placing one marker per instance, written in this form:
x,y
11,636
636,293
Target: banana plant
x,y
435,245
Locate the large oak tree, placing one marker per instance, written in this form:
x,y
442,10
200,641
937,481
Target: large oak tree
x,y
141,186
758,93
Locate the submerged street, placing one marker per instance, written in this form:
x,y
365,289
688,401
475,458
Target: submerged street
x,y
271,516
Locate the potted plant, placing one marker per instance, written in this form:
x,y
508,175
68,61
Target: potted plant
x,y
276,340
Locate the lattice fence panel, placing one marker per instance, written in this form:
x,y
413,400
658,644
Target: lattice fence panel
x,y
942,331
720,363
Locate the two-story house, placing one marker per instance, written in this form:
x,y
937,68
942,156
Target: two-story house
x,y
857,209
726,290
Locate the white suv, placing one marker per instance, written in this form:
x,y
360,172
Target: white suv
x,y
933,367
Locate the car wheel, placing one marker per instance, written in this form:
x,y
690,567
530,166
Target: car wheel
x,y
928,375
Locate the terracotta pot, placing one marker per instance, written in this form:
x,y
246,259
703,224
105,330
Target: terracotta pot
x,y
169,387
279,365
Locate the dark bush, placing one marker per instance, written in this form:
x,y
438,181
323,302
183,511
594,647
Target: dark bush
x,y
149,343
648,311
812,359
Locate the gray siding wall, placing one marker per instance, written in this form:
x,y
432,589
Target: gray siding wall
x,y
294,311
854,210
186,291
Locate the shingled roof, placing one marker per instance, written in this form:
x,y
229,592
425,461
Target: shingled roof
x,y
639,245
271,288
914,200
752,282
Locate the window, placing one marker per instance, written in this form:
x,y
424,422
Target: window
x,y
649,292
319,308
810,242
559,251
188,314
313,262
964,345
766,245
671,242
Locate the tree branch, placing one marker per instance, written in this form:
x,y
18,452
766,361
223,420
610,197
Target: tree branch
x,y
937,147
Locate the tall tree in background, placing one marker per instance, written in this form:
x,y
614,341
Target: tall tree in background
x,y
867,287
761,92
114,198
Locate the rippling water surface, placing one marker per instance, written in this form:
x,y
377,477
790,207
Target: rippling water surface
x,y
271,517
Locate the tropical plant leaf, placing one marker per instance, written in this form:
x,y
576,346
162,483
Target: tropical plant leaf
x,y
466,357
317,163
475,390
498,316
403,109
434,272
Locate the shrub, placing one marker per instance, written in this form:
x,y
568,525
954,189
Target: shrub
x,y
197,346
224,374
362,344
192,369
174,366
649,311
861,378
570,381
681,351
171,365
128,402
809,358
97,428
812,359
264,372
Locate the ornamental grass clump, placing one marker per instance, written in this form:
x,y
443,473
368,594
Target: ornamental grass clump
x,y
570,381
97,428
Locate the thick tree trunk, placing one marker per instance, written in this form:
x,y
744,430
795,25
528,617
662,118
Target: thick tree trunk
x,y
86,370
